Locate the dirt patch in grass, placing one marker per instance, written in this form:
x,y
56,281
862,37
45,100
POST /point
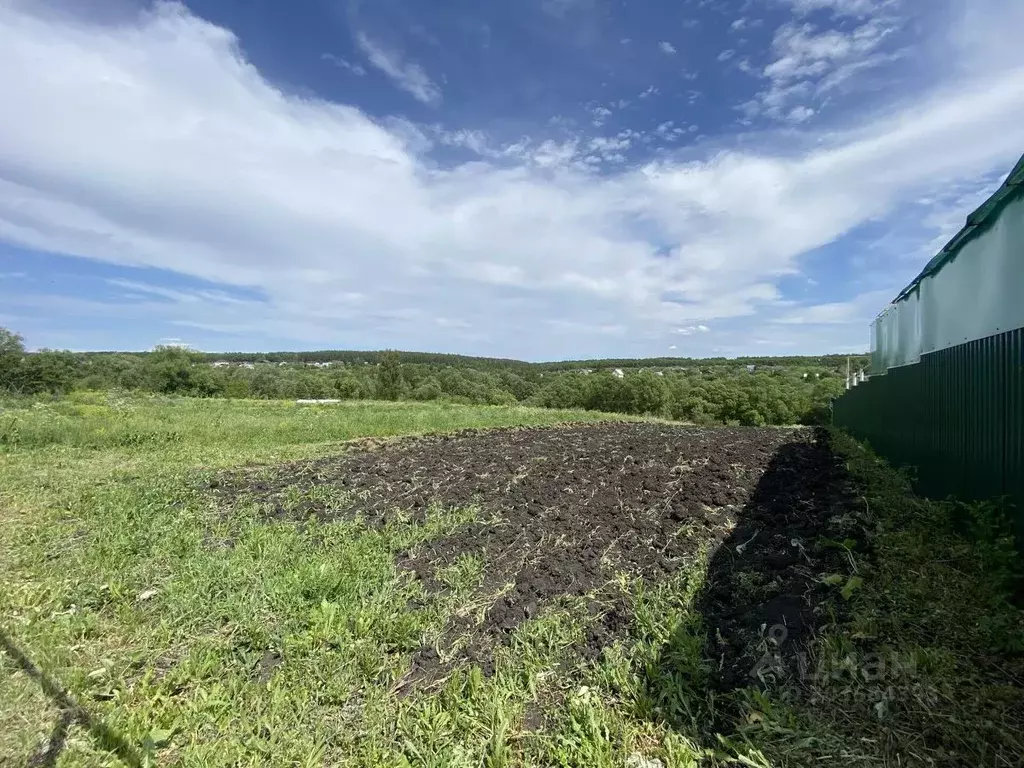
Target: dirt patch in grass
x,y
564,511
772,581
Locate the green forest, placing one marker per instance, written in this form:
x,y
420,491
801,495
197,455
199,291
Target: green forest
x,y
744,391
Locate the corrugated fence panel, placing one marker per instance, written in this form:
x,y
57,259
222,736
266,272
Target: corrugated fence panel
x,y
1013,444
956,417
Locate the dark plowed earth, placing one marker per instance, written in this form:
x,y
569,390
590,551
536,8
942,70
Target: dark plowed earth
x,y
568,508
764,587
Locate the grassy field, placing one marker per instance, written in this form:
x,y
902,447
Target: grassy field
x,y
108,581
148,620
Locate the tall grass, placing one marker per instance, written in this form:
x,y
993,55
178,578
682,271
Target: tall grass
x,y
166,617
190,427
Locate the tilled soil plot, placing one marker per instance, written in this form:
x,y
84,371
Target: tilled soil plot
x,y
568,508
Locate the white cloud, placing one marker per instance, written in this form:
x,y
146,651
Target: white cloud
x,y
606,144
561,8
408,76
173,341
690,330
475,141
667,47
745,23
344,231
553,154
181,297
977,41
338,61
809,62
800,114
857,310
842,7
803,52
669,131
600,114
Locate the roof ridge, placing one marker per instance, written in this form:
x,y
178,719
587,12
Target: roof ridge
x,y
977,218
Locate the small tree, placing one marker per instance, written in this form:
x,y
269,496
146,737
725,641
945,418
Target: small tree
x,y
12,352
563,391
649,392
428,389
389,376
606,392
47,371
169,370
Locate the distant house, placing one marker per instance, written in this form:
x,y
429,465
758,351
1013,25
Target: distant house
x,y
221,364
617,373
250,366
661,373
751,368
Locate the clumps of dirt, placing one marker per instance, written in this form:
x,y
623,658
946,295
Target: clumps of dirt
x,y
268,664
600,468
765,595
564,509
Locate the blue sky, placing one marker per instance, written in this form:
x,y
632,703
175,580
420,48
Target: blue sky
x,y
541,179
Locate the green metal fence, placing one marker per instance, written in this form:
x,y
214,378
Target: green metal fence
x,y
946,395
957,417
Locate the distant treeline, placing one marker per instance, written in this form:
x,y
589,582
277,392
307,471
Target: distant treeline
x,y
356,357
347,357
832,362
719,390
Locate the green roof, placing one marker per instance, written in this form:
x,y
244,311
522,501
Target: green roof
x,y
976,223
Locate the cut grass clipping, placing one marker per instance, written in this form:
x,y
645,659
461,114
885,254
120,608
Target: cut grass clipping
x,y
734,597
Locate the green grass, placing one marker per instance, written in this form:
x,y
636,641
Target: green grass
x,y
187,430
209,639
200,638
926,665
